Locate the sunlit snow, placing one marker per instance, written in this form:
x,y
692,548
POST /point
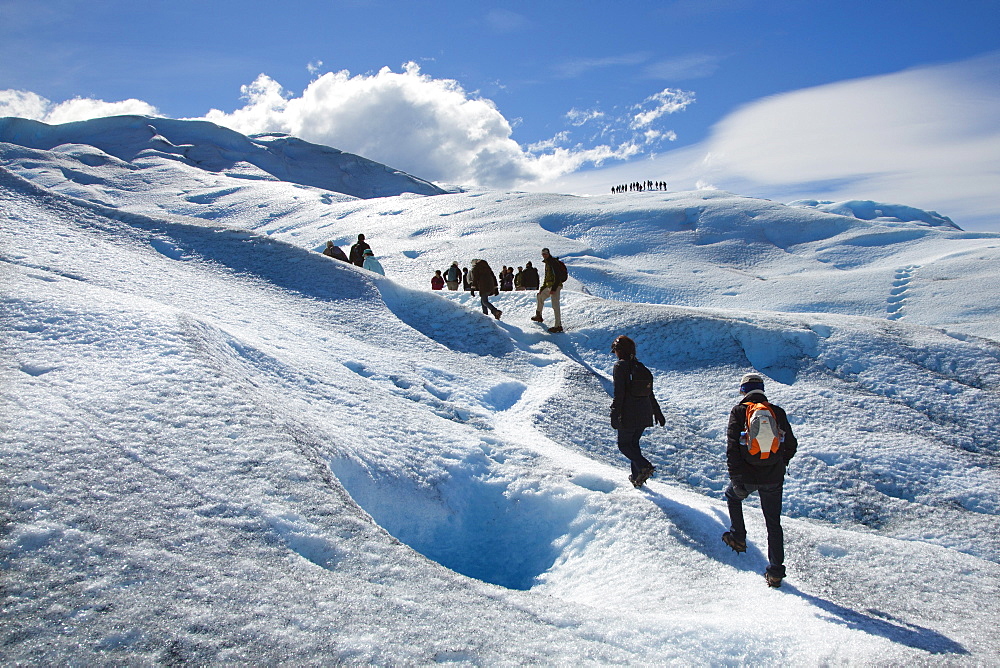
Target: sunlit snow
x,y
221,446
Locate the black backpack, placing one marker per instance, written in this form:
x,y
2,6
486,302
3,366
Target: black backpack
x,y
640,380
559,270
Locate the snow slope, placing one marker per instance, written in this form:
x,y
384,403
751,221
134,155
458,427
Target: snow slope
x,y
225,447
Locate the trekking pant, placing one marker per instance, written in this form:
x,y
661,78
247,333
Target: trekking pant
x,y
770,505
452,285
487,306
546,293
628,443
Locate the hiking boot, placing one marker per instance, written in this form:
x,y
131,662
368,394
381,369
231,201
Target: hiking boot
x,y
738,544
555,330
537,318
772,580
497,314
635,483
644,475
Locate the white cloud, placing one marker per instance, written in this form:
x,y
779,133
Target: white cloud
x,y
23,104
26,104
696,66
579,117
667,101
574,68
429,127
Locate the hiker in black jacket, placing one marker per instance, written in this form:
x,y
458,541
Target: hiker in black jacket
x,y
357,255
749,473
634,407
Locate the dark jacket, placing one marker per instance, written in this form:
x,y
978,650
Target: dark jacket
x,y
335,252
529,278
629,411
742,471
483,279
358,253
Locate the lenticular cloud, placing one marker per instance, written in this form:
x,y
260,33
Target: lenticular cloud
x,y
409,120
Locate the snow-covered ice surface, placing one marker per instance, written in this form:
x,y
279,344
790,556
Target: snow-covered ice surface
x,y
220,446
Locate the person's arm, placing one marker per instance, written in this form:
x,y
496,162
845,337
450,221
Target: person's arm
x,y
734,458
657,413
618,401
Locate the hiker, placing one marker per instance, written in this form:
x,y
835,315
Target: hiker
x,y
551,289
334,251
485,281
371,263
634,407
467,284
518,279
529,279
358,251
452,276
437,281
757,458
507,279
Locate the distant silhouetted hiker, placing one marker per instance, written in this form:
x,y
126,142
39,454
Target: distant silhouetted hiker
x,y
759,445
333,250
358,251
437,281
485,281
371,263
529,279
634,407
453,276
550,290
518,275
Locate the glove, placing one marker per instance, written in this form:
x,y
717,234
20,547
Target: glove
x,y
660,420
616,420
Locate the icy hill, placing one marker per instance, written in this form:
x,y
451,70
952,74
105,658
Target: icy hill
x,y
225,447
142,143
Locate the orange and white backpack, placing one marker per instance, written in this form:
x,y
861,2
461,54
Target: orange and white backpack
x,y
762,439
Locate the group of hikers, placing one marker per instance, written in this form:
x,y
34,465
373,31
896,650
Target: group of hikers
x,y
361,255
525,278
482,279
759,445
639,186
759,438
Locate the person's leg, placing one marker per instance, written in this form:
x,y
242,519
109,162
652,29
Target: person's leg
x,y
543,294
770,504
555,307
628,444
734,499
488,307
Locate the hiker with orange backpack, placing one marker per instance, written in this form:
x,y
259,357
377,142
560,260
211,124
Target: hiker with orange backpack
x,y
759,445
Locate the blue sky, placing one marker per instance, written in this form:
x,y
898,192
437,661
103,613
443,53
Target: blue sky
x,y
519,94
